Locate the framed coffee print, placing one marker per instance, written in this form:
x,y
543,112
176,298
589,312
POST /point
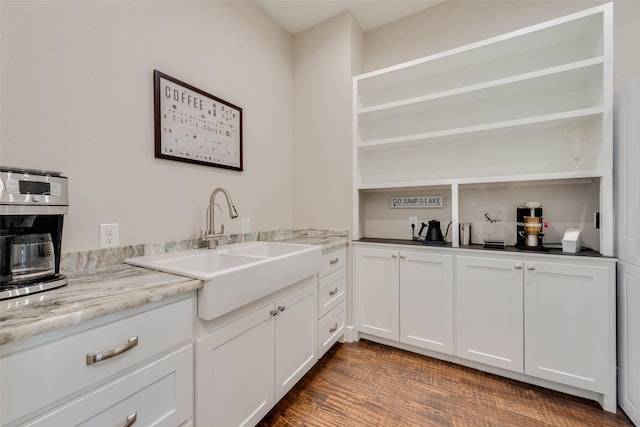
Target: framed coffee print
x,y
194,126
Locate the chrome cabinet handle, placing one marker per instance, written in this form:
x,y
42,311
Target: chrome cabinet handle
x,y
334,328
333,261
99,356
282,308
131,419
531,267
402,256
333,292
273,313
518,266
394,256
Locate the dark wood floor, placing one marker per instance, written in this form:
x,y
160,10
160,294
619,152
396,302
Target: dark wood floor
x,y
368,384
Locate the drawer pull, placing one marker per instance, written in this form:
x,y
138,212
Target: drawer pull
x,y
333,292
333,261
99,356
282,308
273,313
334,328
131,419
531,267
518,266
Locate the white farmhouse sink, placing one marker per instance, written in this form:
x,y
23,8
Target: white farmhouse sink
x,y
235,275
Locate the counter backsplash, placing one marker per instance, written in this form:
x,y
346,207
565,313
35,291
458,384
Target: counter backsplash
x,y
99,258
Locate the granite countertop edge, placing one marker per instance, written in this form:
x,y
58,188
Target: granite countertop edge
x,y
101,290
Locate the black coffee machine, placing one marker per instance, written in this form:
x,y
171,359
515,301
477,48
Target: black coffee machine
x,y
32,208
529,226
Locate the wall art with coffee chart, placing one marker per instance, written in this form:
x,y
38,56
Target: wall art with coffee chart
x,y
194,126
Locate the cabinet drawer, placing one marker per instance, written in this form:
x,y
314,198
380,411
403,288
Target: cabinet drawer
x,y
159,394
40,376
331,291
333,261
331,328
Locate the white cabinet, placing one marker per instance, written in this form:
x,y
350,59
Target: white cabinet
x,y
377,292
235,373
627,192
627,173
332,287
426,300
296,337
489,311
568,324
157,394
629,340
244,367
136,370
549,318
534,104
545,319
405,296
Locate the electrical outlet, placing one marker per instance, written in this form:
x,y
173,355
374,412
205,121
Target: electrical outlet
x,y
109,235
245,225
413,221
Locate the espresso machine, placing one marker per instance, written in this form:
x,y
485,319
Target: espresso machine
x,y
529,226
32,208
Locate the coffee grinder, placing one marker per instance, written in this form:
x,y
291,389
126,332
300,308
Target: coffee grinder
x,y
32,208
529,226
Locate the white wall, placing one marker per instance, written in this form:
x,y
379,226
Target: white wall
x,y
77,97
325,58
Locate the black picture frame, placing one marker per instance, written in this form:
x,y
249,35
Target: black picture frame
x,y
194,126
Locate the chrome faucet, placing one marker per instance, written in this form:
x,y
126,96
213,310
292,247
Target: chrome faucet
x,y
210,235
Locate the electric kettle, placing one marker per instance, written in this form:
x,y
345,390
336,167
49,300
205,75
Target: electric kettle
x,y
434,234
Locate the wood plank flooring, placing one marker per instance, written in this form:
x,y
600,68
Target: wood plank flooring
x,y
369,384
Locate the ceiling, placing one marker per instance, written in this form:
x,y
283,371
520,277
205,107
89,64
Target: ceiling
x,y
298,15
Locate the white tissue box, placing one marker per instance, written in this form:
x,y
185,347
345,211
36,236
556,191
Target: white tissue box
x,y
572,240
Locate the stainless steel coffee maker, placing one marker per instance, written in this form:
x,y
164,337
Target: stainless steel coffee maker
x,y
32,208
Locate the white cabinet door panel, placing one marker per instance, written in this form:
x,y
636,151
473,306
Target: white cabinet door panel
x,y
378,295
489,312
426,301
567,324
627,173
629,336
296,337
235,374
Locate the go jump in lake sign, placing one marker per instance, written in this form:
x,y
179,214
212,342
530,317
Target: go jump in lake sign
x,y
416,202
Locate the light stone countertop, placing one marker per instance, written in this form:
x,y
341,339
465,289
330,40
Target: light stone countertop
x,y
105,285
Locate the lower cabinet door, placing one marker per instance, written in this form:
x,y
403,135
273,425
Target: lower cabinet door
x,y
629,340
296,337
567,322
235,372
377,292
489,312
158,394
426,301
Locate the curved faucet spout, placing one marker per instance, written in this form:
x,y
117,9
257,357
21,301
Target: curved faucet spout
x,y
211,234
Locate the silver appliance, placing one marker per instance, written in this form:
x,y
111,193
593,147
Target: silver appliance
x,y
32,208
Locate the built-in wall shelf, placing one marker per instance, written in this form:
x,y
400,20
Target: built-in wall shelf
x,y
530,105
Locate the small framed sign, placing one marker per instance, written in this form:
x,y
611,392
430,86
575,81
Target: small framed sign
x,y
416,202
194,126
